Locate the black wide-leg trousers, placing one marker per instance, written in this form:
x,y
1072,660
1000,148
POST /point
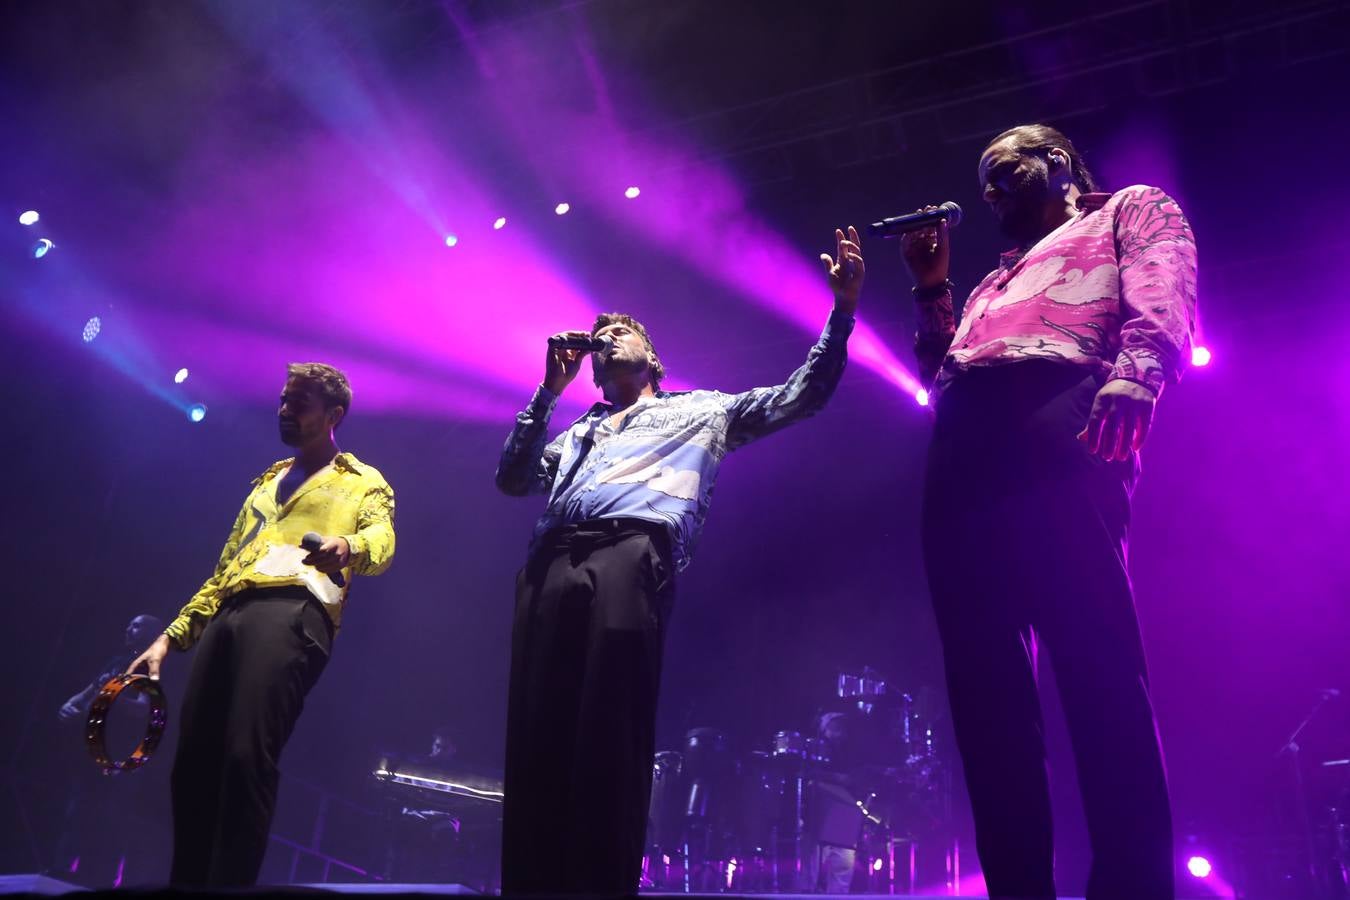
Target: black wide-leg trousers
x,y
591,612
257,659
1024,538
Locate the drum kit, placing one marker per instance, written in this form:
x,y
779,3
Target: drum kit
x,y
852,806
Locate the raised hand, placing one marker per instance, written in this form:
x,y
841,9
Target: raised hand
x,y
561,366
845,270
1121,415
927,252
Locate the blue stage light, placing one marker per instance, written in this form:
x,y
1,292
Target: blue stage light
x,y
197,412
91,329
42,248
180,376
29,217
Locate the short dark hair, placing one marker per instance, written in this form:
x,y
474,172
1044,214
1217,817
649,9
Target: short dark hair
x,y
331,382
1041,138
657,371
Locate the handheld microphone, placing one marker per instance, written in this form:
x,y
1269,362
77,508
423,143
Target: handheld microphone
x,y
313,541
897,225
588,344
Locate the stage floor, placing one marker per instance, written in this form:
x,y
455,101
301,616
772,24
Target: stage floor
x,y
45,886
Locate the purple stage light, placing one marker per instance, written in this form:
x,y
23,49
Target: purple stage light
x,y
921,397
562,208
451,240
632,193
1200,356
91,329
1199,867
500,223
29,217
180,376
42,248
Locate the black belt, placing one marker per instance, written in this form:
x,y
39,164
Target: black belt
x,y
608,528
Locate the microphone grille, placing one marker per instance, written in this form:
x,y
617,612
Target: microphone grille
x,y
953,213
311,541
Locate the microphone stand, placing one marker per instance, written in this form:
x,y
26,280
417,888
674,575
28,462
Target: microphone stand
x,y
1292,748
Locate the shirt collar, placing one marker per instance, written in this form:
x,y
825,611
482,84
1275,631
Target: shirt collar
x,y
1086,203
343,460
1092,202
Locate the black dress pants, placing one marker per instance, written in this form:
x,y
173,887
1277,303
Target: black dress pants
x,y
1024,538
257,659
591,611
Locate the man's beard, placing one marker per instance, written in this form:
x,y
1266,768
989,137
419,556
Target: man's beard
x,y
291,437
1023,220
619,365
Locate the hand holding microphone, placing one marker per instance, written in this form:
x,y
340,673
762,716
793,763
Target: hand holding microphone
x,y
925,241
327,555
566,350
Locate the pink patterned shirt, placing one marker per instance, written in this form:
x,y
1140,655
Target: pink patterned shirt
x,y
1112,289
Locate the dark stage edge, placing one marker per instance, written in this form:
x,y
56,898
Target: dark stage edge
x,y
43,886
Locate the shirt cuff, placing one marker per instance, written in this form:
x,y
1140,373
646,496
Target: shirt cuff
x,y
543,401
838,327
180,632
1142,367
356,550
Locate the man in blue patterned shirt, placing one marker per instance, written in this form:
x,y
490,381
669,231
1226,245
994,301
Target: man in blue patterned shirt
x,y
629,485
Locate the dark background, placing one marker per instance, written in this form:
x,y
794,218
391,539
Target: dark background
x,y
116,505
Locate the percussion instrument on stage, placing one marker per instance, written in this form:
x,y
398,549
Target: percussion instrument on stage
x,y
666,816
95,732
864,780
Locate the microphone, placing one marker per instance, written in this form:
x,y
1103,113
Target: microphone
x,y
588,344
313,541
913,221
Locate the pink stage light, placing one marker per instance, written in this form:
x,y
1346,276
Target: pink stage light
x,y
921,397
1200,356
632,193
500,223
876,866
1199,867
562,208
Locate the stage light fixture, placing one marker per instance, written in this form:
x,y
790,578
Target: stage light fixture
x,y
42,248
562,208
196,412
1199,867
29,217
877,864
451,240
500,223
632,193
91,329
1200,356
180,376
921,397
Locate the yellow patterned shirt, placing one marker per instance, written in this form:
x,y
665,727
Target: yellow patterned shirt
x,y
346,499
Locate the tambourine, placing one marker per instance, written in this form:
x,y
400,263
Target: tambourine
x,y
98,716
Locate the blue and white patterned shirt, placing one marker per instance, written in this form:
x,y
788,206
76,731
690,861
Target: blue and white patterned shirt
x,y
660,463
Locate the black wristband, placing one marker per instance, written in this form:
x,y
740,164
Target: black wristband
x,y
934,291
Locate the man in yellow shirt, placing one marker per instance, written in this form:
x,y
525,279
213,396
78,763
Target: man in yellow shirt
x,y
264,625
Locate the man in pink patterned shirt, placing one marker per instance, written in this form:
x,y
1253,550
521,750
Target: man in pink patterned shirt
x,y
1044,395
